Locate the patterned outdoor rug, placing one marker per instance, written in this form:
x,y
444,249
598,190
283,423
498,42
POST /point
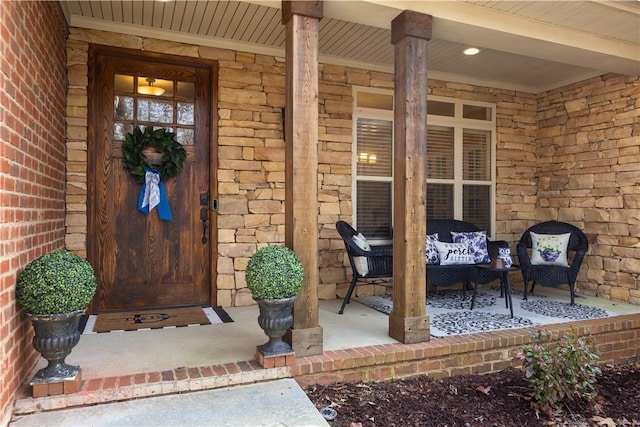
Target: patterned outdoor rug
x,y
133,320
451,315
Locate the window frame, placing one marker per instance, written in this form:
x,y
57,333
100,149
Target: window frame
x,y
374,114
458,123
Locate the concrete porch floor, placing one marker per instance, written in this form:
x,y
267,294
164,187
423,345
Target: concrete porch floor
x,y
124,353
127,365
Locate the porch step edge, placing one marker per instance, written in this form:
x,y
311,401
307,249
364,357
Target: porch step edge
x,y
25,404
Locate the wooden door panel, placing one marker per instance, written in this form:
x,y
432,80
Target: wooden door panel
x,y
142,261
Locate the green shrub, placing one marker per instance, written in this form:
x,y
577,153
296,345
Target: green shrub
x,y
558,371
274,272
55,283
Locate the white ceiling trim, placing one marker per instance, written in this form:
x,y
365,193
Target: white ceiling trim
x,y
476,16
175,36
199,40
449,77
210,41
631,8
459,22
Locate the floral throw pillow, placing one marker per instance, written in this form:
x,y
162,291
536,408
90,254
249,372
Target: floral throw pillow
x,y
431,252
454,253
549,249
477,241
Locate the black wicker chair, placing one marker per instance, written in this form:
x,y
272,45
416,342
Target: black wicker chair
x,y
379,258
553,275
448,275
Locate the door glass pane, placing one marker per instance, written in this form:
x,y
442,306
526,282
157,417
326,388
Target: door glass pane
x,y
374,147
123,83
148,85
186,90
123,107
184,136
152,110
440,152
476,154
120,130
475,207
440,201
185,113
159,108
374,209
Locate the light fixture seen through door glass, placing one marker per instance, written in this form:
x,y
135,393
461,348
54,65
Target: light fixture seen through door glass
x,y
150,89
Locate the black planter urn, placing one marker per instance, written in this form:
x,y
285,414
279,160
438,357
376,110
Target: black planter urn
x,y
55,336
276,317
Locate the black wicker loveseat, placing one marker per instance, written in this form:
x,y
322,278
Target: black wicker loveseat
x,y
448,275
380,258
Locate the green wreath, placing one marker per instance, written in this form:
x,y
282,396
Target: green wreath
x,y
173,153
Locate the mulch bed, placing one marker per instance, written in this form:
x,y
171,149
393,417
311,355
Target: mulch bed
x,y
499,399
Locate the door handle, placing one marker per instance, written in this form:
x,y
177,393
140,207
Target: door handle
x,y
203,218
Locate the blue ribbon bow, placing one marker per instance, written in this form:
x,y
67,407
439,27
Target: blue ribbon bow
x,y
152,194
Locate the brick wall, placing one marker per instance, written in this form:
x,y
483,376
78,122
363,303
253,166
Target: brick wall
x,y
251,154
615,342
32,167
588,162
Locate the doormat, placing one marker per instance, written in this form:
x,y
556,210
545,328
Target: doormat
x,y
450,314
134,320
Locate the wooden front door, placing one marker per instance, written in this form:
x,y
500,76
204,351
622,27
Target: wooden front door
x,y
142,261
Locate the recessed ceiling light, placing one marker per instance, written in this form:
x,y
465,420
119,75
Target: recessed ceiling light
x,y
471,51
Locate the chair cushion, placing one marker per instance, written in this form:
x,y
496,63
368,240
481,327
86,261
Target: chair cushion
x,y
431,252
549,249
361,263
454,253
477,241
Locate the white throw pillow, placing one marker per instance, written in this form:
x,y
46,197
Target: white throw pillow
x,y
454,253
477,241
549,249
361,263
431,252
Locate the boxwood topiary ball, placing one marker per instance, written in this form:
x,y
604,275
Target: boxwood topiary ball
x,y
55,283
274,272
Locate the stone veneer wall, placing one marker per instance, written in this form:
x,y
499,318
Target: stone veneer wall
x,y
588,158
251,155
33,88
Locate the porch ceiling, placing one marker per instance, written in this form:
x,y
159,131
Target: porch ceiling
x,y
531,46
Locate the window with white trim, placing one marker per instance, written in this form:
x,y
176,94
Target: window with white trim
x,y
460,162
373,164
